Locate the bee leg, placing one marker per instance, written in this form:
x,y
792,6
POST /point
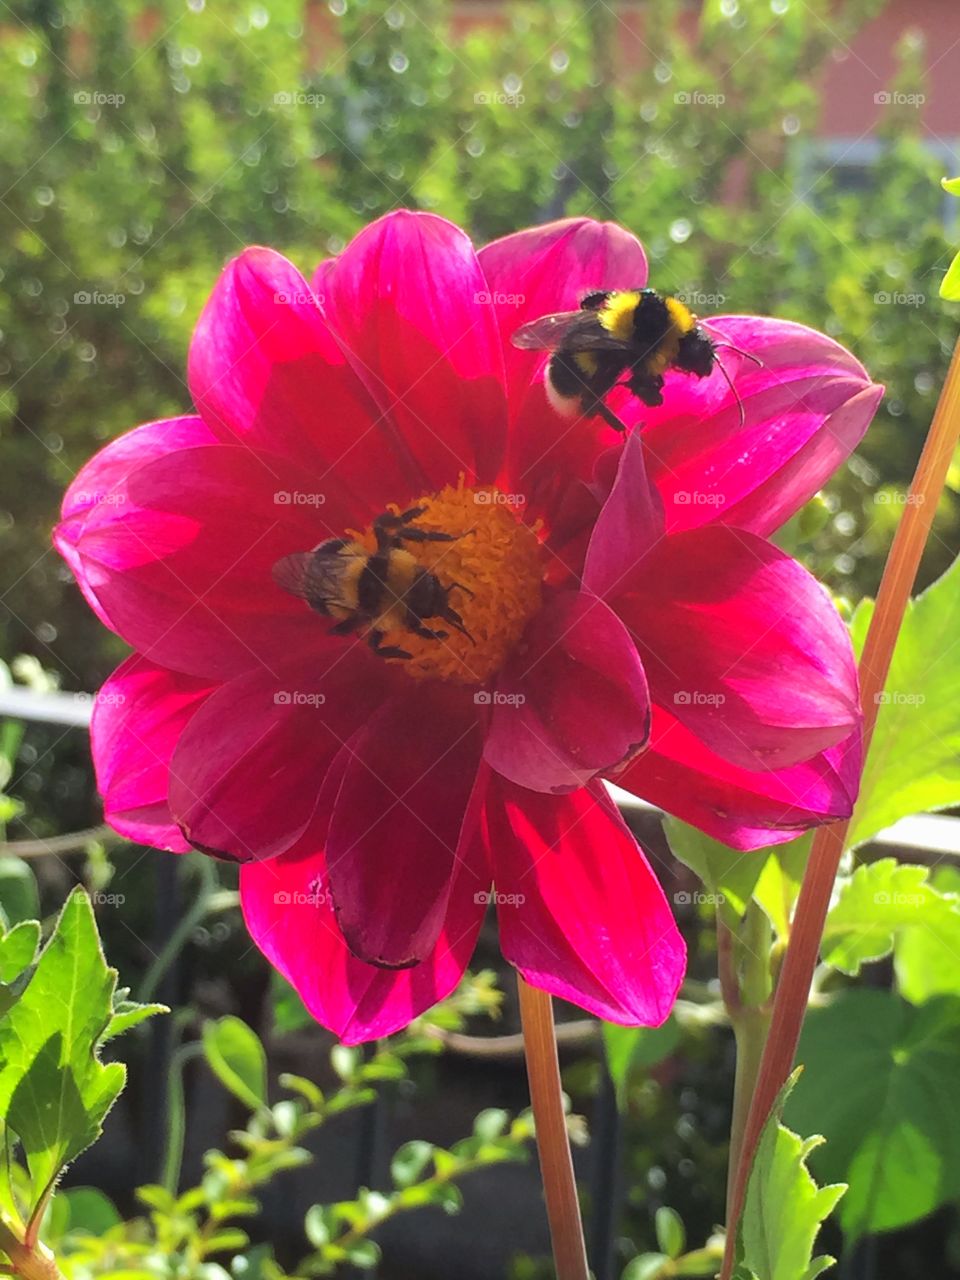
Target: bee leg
x,y
594,301
425,535
346,627
419,629
609,417
647,388
451,616
375,639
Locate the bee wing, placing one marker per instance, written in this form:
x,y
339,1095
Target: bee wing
x,y
547,333
314,576
573,330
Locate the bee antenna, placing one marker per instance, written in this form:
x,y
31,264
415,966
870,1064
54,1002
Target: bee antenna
x,y
466,590
729,381
747,355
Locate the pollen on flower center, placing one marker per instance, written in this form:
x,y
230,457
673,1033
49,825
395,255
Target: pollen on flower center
x,y
495,559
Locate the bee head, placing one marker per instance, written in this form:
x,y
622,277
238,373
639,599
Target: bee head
x,y
696,353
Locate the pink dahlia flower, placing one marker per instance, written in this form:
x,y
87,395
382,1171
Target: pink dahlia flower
x,y
626,618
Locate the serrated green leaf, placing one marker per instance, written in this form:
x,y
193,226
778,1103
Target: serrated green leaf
x,y
927,961
914,761
54,1091
875,904
129,1013
238,1059
784,1207
879,1081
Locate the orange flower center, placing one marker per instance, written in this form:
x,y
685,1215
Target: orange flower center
x,y
495,562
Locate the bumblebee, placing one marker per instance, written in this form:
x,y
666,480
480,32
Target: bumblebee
x,y
386,590
634,332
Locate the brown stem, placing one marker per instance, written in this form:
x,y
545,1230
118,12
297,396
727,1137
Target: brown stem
x,y
556,1164
800,959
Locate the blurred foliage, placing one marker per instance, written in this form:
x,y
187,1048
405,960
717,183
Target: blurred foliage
x,y
142,144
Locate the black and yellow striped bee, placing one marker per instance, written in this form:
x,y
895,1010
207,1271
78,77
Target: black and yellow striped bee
x,y
376,592
636,332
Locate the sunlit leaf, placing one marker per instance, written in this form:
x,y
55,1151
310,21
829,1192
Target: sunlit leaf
x,y
879,1081
238,1059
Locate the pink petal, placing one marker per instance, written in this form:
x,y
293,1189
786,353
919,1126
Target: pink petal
x,y
407,301
742,807
743,646
581,913
806,409
138,717
288,911
100,482
248,769
629,524
572,701
265,370
534,273
179,555
397,829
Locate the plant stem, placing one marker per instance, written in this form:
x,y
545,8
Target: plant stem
x,y
800,959
30,1263
747,996
556,1163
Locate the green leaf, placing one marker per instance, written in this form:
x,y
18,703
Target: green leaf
x,y
779,882
89,1210
729,876
914,761
649,1266
875,904
951,186
129,1013
927,960
631,1049
238,1059
410,1161
950,284
880,1081
784,1207
671,1236
18,949
54,1091
19,897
